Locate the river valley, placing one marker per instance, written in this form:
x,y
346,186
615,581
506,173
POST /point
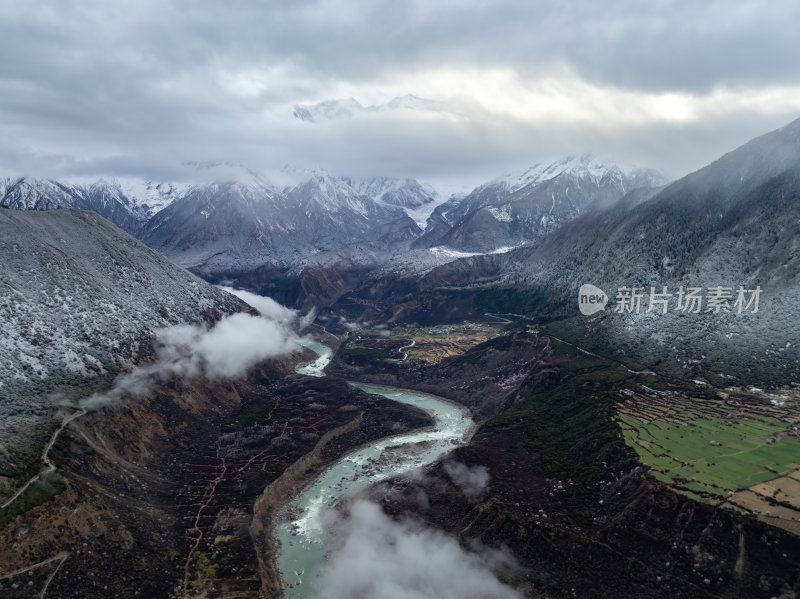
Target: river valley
x,y
303,538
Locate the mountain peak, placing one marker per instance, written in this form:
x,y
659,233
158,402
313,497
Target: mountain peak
x,y
583,166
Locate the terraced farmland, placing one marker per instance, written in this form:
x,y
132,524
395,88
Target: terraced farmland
x,y
420,343
731,449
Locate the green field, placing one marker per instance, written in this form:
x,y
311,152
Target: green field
x,y
711,446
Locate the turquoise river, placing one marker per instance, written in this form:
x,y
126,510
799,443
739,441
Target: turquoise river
x,y
302,539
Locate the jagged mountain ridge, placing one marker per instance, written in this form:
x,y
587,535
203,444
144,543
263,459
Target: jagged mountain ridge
x,y
322,277
733,223
347,108
735,217
316,213
237,223
229,228
407,193
126,203
519,208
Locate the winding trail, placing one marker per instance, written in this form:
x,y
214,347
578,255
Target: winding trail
x,y
589,353
403,349
506,320
61,557
578,347
49,466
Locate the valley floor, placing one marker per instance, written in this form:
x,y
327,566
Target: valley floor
x,y
155,496
601,481
592,487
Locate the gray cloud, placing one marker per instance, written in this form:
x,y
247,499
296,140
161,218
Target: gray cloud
x,y
375,557
89,88
227,350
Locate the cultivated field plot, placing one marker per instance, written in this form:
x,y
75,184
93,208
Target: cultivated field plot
x,y
424,343
742,448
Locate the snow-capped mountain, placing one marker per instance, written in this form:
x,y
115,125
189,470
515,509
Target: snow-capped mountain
x,y
579,167
79,300
230,228
734,223
230,219
128,203
517,208
331,110
151,196
736,219
328,110
37,194
407,193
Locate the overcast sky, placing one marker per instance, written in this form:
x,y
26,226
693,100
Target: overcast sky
x,y
138,88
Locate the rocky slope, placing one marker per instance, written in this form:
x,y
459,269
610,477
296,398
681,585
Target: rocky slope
x,y
561,492
173,493
732,224
79,300
522,207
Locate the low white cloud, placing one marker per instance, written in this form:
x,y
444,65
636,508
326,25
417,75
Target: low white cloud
x,y
235,344
472,480
564,97
375,557
228,350
266,306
